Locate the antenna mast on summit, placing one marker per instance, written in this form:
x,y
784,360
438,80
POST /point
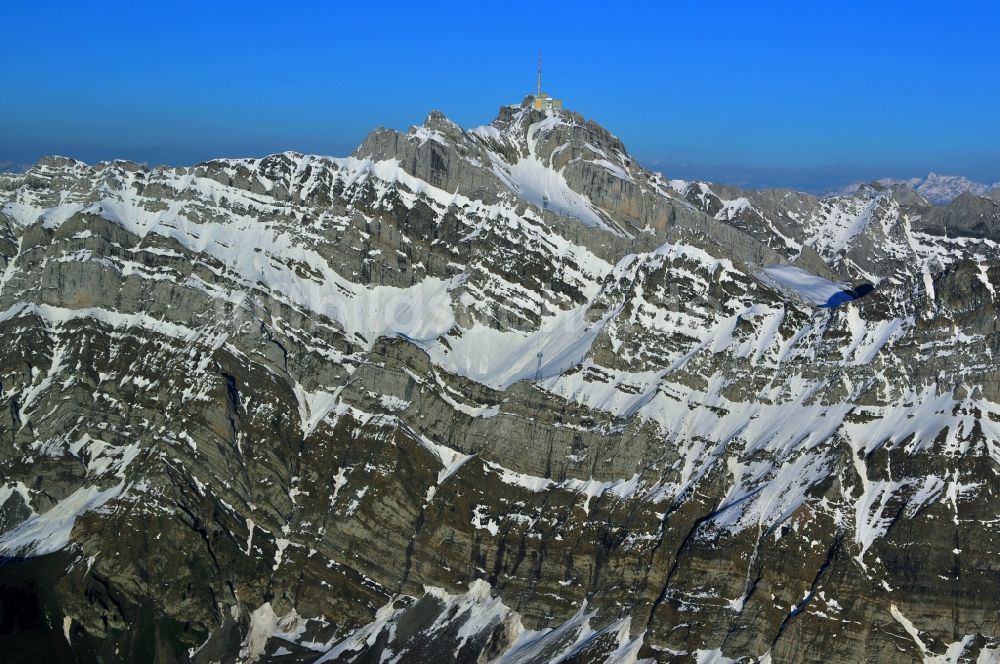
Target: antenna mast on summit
x,y
544,102
538,95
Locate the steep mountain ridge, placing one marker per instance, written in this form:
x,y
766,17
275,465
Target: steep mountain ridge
x,y
496,395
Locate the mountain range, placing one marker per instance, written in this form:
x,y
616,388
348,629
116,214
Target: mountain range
x,y
937,189
493,395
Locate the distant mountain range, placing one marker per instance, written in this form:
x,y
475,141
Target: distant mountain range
x,y
937,189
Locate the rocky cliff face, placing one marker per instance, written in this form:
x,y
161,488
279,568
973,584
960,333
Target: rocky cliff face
x,y
498,395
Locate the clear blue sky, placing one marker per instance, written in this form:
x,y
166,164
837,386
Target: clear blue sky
x,y
764,93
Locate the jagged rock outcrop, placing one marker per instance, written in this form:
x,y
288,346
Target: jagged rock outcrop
x,y
492,395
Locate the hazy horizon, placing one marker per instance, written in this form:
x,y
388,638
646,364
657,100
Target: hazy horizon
x,y
734,94
818,180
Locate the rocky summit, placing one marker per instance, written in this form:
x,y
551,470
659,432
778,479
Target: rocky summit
x,y
493,395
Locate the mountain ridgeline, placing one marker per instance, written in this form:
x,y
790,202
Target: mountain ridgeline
x,y
493,395
937,189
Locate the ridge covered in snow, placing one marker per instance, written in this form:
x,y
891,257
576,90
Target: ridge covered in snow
x,y
499,394
937,189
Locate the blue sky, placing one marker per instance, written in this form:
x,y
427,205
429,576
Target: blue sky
x,y
798,94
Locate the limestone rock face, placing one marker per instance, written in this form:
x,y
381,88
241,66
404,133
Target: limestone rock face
x,y
493,395
967,216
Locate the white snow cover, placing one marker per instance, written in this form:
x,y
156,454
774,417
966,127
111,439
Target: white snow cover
x,y
500,358
543,186
808,287
476,612
546,188
48,532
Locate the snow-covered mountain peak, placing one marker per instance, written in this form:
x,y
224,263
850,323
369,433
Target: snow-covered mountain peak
x,y
943,189
556,161
363,406
937,189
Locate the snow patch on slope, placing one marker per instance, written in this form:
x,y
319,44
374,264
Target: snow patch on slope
x,y
545,188
499,358
463,620
807,287
50,531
